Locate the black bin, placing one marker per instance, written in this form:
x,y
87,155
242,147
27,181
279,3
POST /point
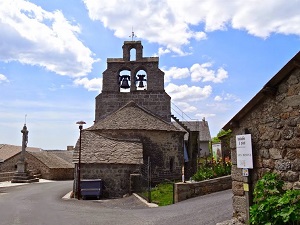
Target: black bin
x,y
91,188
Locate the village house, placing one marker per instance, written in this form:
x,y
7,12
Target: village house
x,y
272,117
52,165
132,125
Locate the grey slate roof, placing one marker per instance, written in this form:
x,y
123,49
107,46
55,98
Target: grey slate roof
x,y
8,151
133,117
96,148
55,159
201,126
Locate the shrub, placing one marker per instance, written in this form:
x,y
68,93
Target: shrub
x,y
273,205
212,170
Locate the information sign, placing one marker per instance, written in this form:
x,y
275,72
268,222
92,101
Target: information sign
x,y
244,151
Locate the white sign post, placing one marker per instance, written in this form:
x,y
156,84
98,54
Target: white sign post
x,y
245,161
244,151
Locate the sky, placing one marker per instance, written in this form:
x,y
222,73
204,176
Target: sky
x,y
216,55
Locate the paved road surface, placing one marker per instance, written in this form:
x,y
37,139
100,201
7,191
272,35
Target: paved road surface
x,y
42,204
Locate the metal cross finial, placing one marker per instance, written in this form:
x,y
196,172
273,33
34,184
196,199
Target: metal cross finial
x,y
132,34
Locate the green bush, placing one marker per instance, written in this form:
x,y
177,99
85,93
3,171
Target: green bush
x,y
273,205
212,170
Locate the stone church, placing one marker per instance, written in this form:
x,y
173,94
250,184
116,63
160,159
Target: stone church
x,y
132,124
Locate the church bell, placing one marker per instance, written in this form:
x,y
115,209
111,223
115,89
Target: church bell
x,y
124,81
141,84
141,79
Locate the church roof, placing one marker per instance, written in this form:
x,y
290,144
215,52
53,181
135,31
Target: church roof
x,y
96,148
133,117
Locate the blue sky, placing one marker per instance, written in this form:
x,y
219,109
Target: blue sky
x,y
216,56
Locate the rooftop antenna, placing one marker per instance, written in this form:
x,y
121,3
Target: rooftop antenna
x,y
132,35
25,118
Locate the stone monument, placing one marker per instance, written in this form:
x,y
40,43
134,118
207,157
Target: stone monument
x,y
22,175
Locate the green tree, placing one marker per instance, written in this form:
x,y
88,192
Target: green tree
x,y
221,133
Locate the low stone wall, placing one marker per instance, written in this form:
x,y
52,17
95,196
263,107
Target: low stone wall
x,y
6,176
183,191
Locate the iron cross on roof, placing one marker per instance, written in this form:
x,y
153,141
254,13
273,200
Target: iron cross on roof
x,y
132,35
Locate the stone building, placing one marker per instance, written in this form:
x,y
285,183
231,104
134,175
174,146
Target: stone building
x,y
132,123
272,117
9,156
204,135
52,165
197,141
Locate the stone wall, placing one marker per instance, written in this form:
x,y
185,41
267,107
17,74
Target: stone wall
x,y
275,128
116,177
183,191
6,176
10,164
158,102
165,150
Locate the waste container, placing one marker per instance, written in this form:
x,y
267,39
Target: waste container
x,y
91,188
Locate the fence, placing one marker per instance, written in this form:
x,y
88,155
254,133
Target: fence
x,y
141,183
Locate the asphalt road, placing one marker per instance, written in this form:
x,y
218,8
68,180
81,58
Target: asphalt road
x,y
42,204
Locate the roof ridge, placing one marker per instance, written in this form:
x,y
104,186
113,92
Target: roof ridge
x,y
131,103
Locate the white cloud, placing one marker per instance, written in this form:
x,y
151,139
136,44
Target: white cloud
x,y
176,73
205,115
218,98
152,20
34,36
232,97
186,107
173,23
94,84
227,97
197,72
162,51
3,78
189,94
201,72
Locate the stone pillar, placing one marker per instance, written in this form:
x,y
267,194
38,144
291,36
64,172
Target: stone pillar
x,y
21,165
22,175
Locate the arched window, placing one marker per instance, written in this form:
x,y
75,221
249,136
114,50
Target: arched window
x,y
124,81
141,80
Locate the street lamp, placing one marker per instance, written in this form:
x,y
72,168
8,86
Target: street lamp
x,y
79,158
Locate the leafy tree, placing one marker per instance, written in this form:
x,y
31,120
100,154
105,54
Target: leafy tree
x,y
221,133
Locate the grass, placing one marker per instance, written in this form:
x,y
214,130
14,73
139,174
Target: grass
x,y
162,194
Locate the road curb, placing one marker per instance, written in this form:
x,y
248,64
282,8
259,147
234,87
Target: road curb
x,y
151,205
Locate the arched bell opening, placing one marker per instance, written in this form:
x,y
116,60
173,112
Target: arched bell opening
x,y
141,80
133,54
124,80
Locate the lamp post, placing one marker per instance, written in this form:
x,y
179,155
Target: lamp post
x,y
79,158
